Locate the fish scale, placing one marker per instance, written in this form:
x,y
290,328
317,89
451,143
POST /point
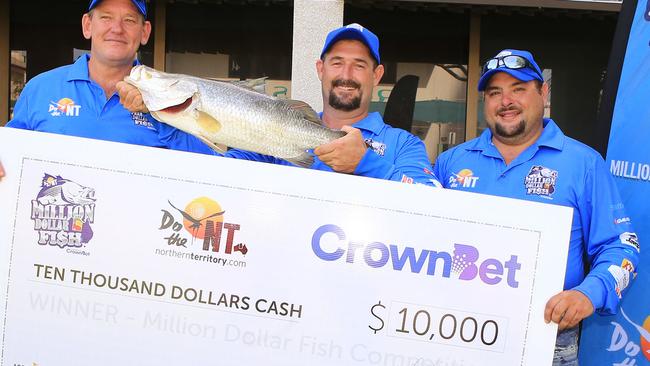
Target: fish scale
x,y
232,114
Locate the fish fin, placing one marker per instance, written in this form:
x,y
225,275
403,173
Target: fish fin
x,y
207,122
211,144
304,160
307,111
212,125
257,85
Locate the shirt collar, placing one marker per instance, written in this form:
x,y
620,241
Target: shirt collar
x,y
551,137
79,69
373,123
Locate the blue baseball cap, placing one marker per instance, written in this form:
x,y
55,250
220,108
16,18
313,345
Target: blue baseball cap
x,y
529,71
353,31
138,4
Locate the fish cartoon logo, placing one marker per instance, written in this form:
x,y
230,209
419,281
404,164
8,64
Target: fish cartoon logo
x,y
64,107
63,212
378,147
203,219
541,181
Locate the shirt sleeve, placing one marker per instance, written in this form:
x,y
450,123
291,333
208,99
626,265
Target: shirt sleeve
x,y
21,118
410,165
175,139
440,168
611,244
249,155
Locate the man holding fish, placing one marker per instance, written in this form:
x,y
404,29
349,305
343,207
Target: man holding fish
x,y
263,128
81,99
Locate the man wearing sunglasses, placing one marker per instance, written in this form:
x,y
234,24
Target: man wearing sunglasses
x,y
524,155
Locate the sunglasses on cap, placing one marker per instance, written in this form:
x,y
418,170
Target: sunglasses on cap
x,y
513,62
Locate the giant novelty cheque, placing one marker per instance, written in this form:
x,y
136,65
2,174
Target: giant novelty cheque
x,y
113,254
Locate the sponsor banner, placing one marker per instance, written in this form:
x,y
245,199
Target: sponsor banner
x,y
121,254
624,339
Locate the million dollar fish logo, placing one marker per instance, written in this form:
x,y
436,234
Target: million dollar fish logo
x,y
63,212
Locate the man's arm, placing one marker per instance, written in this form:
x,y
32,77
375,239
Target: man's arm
x,y
252,156
568,308
611,247
349,154
176,139
21,118
130,97
173,138
343,154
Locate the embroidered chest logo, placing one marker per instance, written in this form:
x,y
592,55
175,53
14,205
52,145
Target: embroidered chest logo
x,y
540,181
64,107
464,179
377,147
140,120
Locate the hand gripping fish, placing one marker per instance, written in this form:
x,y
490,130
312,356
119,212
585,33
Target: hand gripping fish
x,y
233,115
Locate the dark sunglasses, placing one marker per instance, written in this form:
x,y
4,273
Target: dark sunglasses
x,y
513,62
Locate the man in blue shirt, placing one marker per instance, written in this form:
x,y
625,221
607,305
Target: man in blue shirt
x,y
349,69
524,155
81,99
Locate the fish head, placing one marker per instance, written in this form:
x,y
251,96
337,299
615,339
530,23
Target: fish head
x,y
161,90
76,193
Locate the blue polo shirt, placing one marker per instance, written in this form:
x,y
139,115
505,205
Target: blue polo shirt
x,y
558,170
392,154
66,101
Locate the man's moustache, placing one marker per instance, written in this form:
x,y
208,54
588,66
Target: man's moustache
x,y
501,110
346,83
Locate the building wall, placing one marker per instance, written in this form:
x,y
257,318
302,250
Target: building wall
x,y
429,39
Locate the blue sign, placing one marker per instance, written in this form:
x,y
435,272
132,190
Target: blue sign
x,y
624,339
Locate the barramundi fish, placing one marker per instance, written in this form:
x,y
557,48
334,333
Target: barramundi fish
x,y
232,114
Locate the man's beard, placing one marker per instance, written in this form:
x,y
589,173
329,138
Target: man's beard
x,y
519,129
345,105
514,132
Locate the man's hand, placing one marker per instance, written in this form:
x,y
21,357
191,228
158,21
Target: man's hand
x,y
2,171
568,308
343,154
130,97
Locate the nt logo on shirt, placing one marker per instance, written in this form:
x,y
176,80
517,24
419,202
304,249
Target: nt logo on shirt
x,y
464,178
64,107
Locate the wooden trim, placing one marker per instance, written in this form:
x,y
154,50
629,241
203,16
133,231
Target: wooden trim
x,y
160,28
5,62
473,75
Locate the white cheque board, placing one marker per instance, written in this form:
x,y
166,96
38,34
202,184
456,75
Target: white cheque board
x,y
114,254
